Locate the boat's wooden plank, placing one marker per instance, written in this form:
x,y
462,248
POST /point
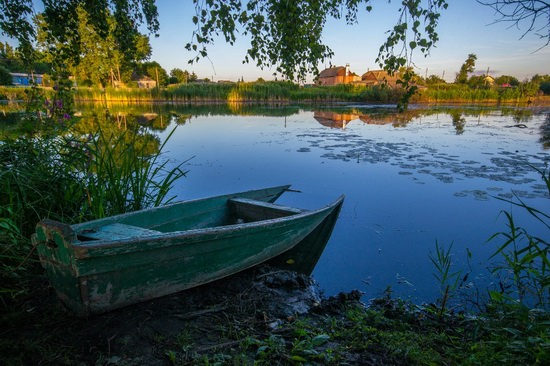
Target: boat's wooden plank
x,y
115,231
186,215
114,281
253,210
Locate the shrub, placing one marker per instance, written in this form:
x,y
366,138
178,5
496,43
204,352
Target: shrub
x,y
5,76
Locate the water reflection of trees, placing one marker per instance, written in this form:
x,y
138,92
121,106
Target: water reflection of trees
x,y
458,121
342,117
230,109
545,132
160,117
150,118
10,126
134,129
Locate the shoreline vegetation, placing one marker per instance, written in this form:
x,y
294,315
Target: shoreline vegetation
x,y
282,92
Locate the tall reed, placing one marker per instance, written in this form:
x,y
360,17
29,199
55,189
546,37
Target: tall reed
x,y
271,92
525,273
457,93
120,176
71,178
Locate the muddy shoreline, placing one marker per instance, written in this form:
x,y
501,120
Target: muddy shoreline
x,y
200,323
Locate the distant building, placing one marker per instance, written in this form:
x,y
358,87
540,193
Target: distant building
x,y
22,79
337,75
146,82
379,77
489,80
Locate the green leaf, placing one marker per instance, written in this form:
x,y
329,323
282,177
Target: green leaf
x,y
320,339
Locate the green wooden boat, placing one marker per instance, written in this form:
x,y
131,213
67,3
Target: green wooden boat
x,y
109,263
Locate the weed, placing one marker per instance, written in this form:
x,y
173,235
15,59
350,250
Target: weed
x,y
525,273
184,340
172,356
448,280
120,175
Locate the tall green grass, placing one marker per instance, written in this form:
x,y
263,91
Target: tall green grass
x,y
10,94
73,177
458,93
515,316
119,175
285,92
267,92
524,273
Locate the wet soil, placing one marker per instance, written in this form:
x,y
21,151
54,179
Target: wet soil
x,y
176,329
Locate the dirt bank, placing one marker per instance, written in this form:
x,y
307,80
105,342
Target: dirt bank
x,y
220,319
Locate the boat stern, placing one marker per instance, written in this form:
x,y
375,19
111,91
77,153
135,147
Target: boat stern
x,y
53,241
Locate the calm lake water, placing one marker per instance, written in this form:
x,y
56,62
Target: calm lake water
x,y
409,179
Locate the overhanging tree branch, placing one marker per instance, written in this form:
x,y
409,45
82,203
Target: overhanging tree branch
x,y
287,35
531,15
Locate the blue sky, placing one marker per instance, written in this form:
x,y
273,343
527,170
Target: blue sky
x,y
464,28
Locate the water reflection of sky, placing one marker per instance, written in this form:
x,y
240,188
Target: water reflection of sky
x,y
406,186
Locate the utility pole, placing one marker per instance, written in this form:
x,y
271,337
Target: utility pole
x,y
157,73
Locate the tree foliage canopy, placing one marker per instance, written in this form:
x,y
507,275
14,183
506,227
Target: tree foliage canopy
x,y
101,59
434,79
467,67
153,70
5,76
16,21
180,76
286,35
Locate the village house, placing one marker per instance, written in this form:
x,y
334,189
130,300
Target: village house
x,y
489,80
379,77
23,79
337,75
146,82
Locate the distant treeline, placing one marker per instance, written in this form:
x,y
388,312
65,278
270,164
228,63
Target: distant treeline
x,y
282,92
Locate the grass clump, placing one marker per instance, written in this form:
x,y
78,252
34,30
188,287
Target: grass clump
x,y
64,174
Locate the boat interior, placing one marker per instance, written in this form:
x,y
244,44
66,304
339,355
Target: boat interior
x,y
237,211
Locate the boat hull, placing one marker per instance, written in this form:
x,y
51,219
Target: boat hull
x,y
95,268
